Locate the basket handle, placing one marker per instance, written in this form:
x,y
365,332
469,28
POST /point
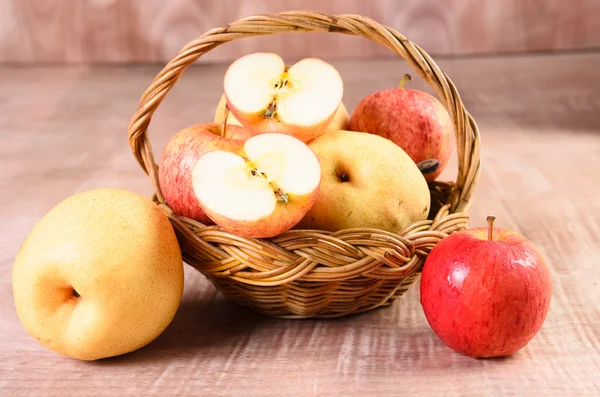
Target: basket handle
x,y
466,130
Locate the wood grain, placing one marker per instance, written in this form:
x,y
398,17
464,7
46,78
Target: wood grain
x,y
132,31
63,130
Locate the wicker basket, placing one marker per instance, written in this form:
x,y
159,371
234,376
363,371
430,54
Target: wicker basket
x,y
307,273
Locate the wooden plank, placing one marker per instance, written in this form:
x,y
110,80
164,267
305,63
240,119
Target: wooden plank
x,y
126,31
64,131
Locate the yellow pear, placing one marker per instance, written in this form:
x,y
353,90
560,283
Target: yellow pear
x,y
220,113
340,119
366,181
100,275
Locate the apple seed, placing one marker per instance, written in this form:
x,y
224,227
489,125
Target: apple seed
x,y
271,111
254,171
281,196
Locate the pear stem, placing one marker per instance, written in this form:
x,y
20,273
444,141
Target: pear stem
x,y
224,125
404,80
490,220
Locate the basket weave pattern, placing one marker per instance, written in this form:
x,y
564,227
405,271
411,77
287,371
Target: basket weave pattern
x,y
310,273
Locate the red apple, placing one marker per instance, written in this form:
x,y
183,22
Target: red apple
x,y
413,120
236,132
485,291
178,159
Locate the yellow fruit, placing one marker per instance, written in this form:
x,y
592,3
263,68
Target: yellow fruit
x,y
340,119
100,275
366,181
220,113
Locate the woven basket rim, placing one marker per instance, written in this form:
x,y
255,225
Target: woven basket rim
x,y
287,259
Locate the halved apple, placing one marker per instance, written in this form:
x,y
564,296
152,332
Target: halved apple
x,y
265,95
261,192
340,120
179,156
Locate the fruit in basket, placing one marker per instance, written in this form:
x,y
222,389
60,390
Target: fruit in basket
x,y
262,191
367,181
178,159
236,132
340,120
485,291
267,96
100,275
220,113
412,119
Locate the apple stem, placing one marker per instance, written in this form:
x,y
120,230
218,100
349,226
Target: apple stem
x,y
490,220
224,125
404,80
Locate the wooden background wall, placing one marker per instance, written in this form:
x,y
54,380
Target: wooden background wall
x,y
124,31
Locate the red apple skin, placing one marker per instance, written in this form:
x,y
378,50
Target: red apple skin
x,y
179,158
279,222
238,133
258,124
485,298
412,119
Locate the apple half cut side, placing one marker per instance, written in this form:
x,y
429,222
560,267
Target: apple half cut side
x,y
340,120
261,192
265,95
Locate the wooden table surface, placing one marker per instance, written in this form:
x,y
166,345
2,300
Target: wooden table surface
x,y
63,130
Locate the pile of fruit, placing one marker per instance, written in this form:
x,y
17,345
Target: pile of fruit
x,y
282,153
102,274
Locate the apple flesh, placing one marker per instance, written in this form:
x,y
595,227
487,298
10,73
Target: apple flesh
x,y
412,119
261,192
178,159
485,292
267,96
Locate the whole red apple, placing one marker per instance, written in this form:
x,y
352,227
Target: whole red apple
x,y
413,120
485,292
178,159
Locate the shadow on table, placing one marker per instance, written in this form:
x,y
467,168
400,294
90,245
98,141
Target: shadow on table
x,y
199,325
205,329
